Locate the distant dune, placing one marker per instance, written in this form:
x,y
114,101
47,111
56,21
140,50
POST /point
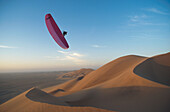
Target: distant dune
x,y
77,73
127,84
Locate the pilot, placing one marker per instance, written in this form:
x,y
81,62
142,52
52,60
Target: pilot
x,y
64,33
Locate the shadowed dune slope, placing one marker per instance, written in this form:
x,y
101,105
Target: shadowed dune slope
x,y
127,84
156,69
123,99
163,59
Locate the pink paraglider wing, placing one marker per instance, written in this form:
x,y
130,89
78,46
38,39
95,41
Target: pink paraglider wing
x,y
55,32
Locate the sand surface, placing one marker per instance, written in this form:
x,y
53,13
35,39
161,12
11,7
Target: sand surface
x,y
77,73
127,84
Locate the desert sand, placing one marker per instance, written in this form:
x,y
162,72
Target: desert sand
x,y
127,84
71,75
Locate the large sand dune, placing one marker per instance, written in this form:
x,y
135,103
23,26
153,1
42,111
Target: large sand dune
x,y
127,84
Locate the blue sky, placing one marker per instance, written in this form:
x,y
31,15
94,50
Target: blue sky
x,y
98,32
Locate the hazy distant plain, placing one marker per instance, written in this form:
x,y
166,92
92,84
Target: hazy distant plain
x,y
12,84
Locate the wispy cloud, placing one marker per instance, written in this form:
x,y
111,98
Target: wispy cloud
x,y
63,52
68,56
154,10
76,54
71,53
97,46
2,46
138,20
75,59
144,36
54,57
143,19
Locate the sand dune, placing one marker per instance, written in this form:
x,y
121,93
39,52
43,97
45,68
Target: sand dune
x,y
127,84
118,73
76,73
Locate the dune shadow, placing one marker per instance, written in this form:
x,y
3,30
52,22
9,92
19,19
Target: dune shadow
x,y
122,99
80,78
153,71
56,91
125,99
38,95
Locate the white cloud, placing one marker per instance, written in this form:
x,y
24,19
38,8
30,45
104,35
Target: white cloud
x,y
76,54
63,52
75,59
134,18
97,46
144,19
144,36
2,46
54,58
154,10
68,56
138,20
71,53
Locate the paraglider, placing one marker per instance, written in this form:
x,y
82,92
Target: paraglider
x,y
56,32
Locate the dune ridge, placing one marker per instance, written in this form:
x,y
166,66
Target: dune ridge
x,y
127,84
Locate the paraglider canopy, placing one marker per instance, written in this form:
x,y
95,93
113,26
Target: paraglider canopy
x,y
56,32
